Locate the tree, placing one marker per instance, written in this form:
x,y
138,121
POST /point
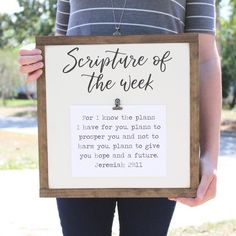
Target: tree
x,y
6,30
9,76
228,52
37,17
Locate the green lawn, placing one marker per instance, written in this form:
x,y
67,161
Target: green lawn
x,y
19,102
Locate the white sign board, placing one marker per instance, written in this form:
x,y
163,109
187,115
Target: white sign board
x,y
118,115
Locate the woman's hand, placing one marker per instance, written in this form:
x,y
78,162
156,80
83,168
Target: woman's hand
x,y
210,109
31,64
207,187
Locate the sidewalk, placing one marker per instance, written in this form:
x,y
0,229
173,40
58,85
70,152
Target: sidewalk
x,y
22,212
24,125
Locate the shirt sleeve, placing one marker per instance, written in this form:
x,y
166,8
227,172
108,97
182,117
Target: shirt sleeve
x,y
200,16
62,16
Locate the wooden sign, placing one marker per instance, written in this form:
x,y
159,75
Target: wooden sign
x,y
118,116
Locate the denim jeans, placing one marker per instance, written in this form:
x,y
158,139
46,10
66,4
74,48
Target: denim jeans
x,y
94,217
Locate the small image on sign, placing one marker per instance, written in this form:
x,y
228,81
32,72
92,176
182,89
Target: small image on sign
x,y
127,142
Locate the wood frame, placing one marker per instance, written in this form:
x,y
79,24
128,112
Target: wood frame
x,y
45,191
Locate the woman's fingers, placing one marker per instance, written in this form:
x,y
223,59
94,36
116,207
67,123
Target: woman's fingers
x,y
203,187
209,194
207,187
34,75
25,52
26,69
29,59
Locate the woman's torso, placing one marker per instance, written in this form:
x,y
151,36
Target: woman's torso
x,y
96,17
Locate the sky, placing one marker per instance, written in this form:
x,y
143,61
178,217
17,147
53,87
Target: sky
x,y
11,6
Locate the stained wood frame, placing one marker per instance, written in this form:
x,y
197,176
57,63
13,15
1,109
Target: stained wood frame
x,y
45,191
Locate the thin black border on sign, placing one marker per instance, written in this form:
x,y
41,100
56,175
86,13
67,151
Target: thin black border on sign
x,y
45,191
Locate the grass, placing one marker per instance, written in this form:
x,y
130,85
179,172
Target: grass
x,y
229,114
19,102
18,151
19,108
228,118
224,228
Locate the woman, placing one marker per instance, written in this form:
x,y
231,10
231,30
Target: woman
x,y
139,217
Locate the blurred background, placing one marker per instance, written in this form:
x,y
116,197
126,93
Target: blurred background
x,y
22,212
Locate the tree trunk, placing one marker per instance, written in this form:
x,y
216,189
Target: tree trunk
x,y
233,102
4,100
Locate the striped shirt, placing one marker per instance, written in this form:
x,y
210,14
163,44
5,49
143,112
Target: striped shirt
x,y
95,17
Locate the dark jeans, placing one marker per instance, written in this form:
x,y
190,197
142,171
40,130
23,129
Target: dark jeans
x,y
94,217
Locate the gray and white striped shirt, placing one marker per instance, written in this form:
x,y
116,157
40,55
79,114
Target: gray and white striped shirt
x,y
95,17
